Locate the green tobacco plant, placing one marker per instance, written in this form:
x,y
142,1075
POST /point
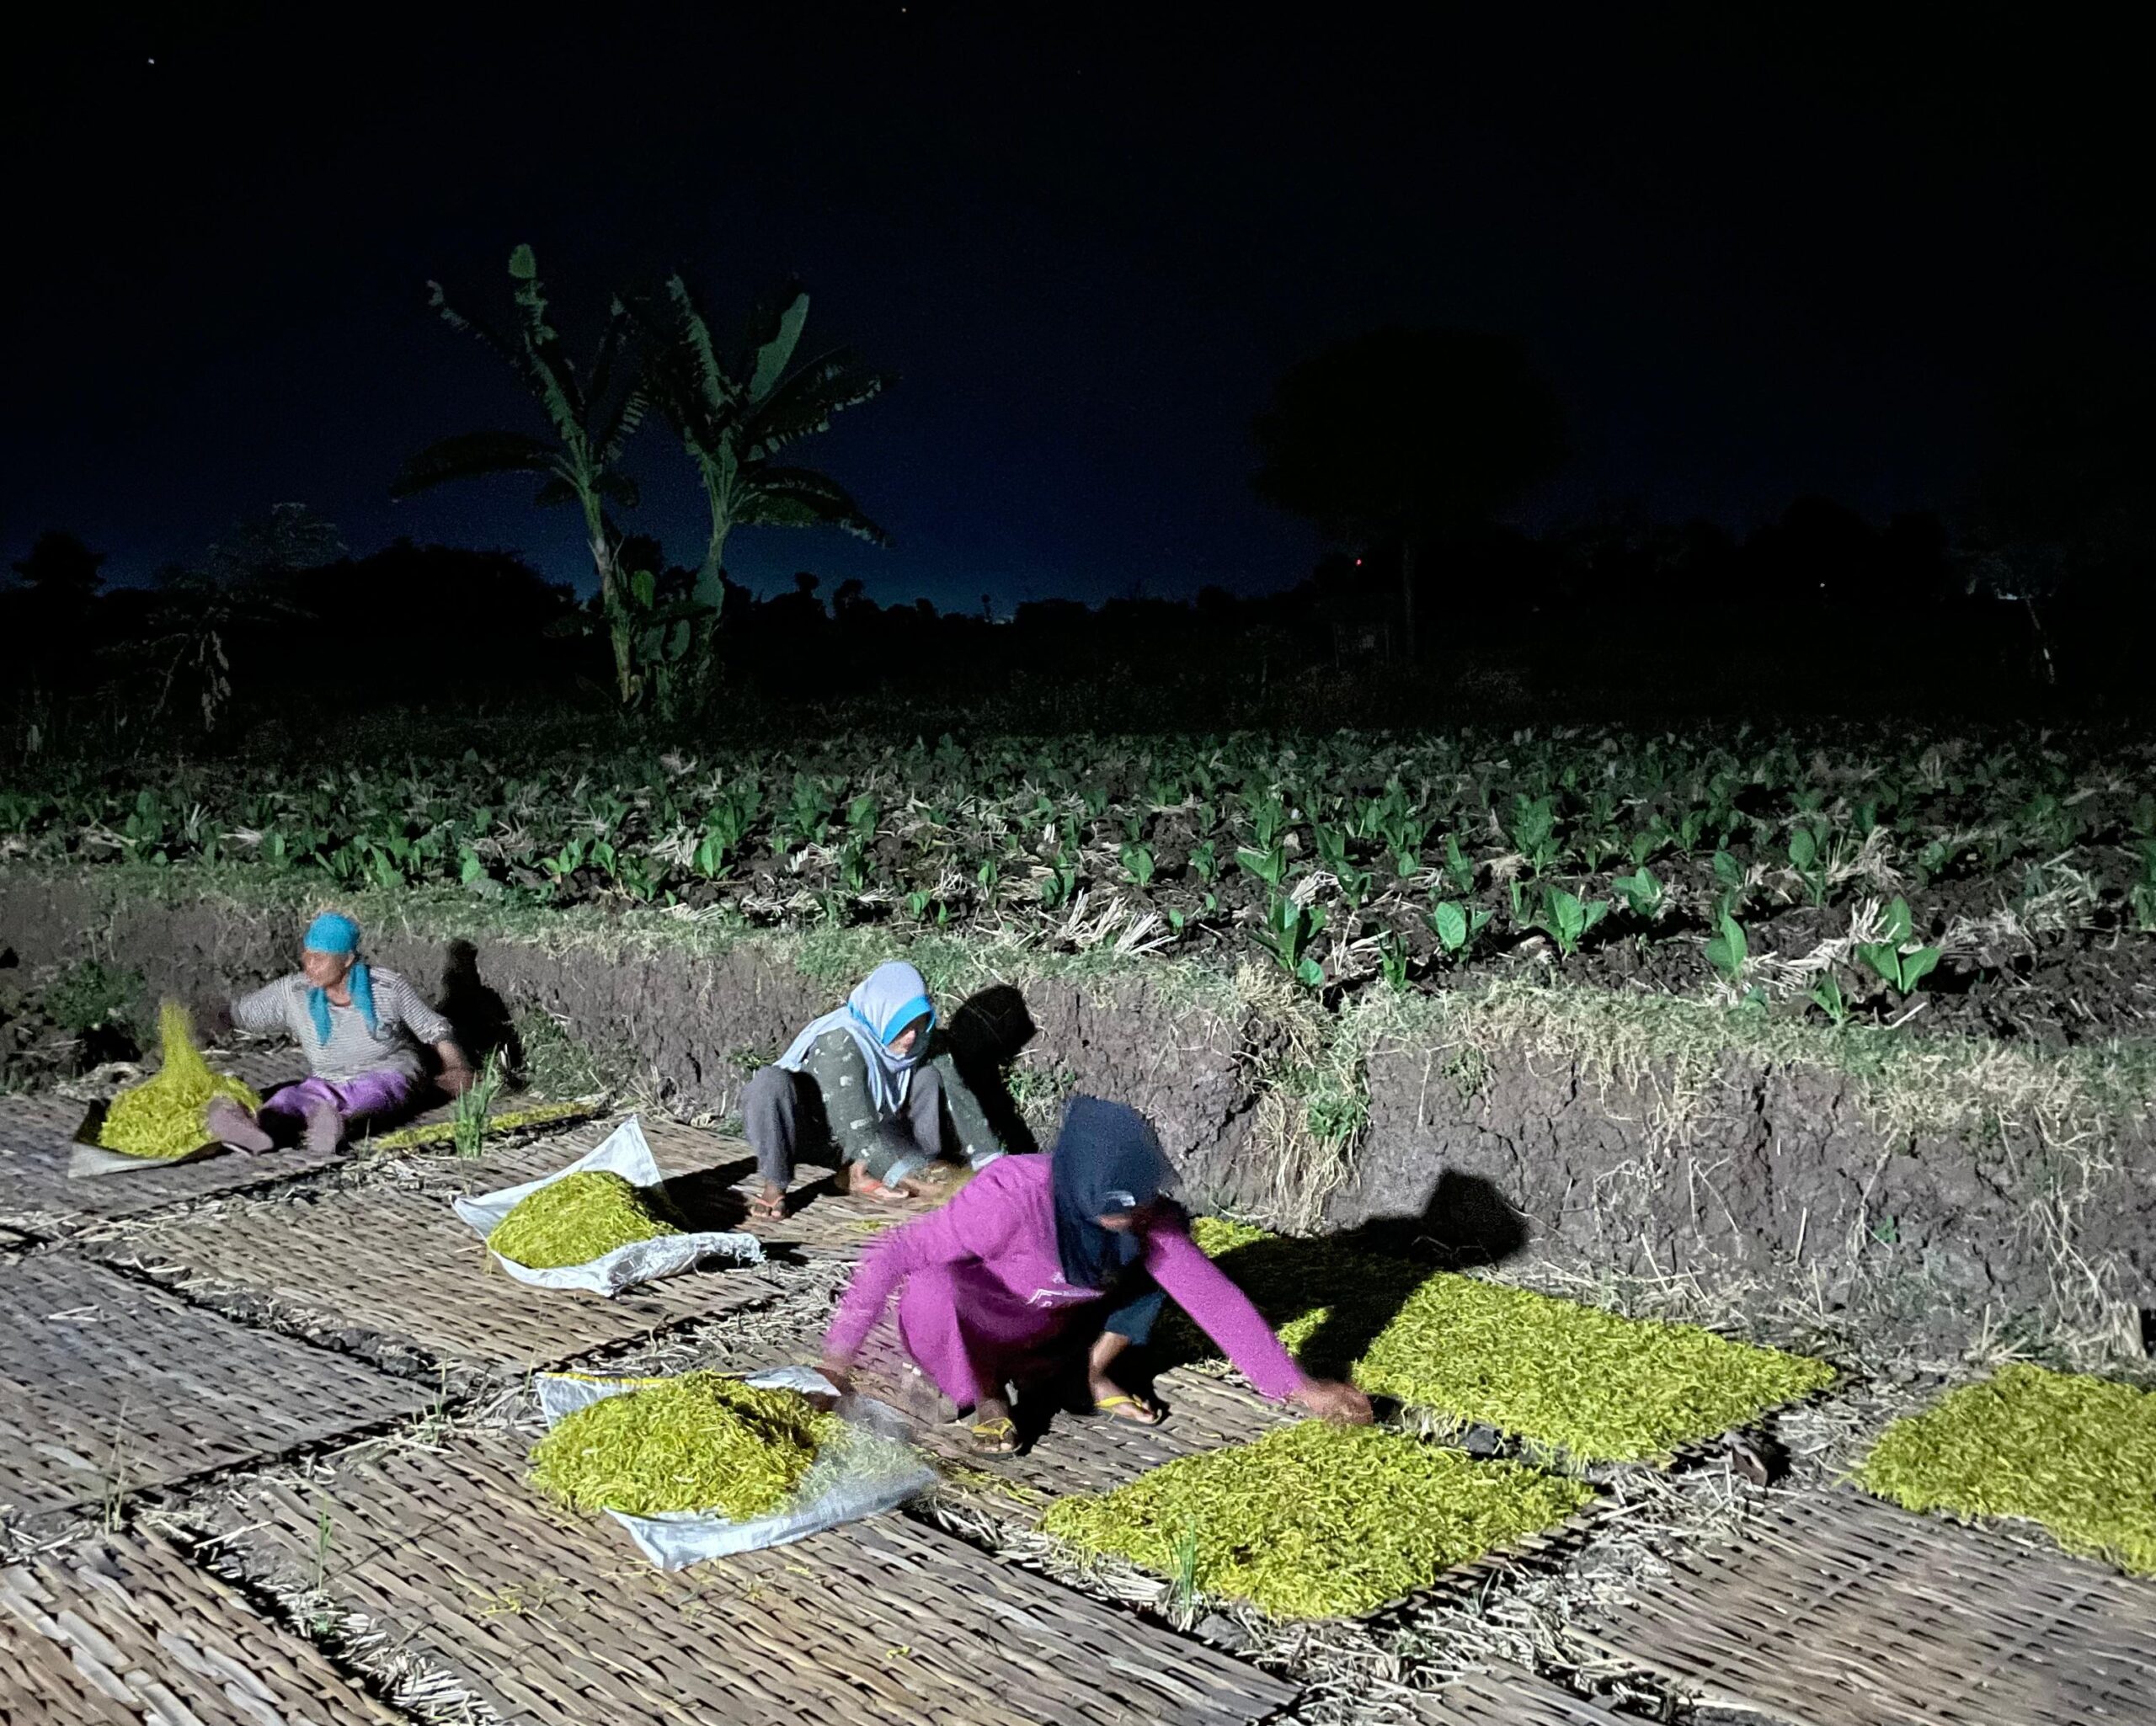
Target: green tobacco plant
x,y
1138,865
1287,933
1808,856
1728,950
1898,963
1393,960
1456,926
1565,917
1534,831
1204,860
1827,995
1459,867
1641,892
1268,865
2142,895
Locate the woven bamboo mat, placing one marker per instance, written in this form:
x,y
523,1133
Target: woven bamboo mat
x,y
555,1621
1835,1610
396,1264
1506,1696
1066,1452
108,1385
122,1633
37,1138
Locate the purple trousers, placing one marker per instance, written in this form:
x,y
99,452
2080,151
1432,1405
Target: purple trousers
x,y
371,1098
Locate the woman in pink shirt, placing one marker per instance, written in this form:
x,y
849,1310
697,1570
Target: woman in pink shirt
x,y
1006,1277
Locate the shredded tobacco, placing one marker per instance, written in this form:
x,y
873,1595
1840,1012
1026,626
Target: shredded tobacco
x,y
2075,1453
163,1117
1596,1385
576,1219
1316,1521
702,1441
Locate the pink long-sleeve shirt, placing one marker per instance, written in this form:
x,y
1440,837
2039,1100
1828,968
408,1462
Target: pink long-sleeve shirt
x,y
1003,1222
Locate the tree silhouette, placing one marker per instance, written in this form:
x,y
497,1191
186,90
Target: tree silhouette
x,y
592,412
1402,435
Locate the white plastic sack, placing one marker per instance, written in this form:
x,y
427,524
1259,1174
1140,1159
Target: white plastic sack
x,y
626,1152
844,1483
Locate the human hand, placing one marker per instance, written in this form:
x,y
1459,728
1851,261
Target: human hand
x,y
455,1079
1329,1399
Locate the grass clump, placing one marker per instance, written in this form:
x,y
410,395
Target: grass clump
x,y
162,1117
702,1441
1314,1520
576,1219
1594,1384
2075,1453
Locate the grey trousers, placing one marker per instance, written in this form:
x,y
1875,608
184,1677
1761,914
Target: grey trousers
x,y
782,1118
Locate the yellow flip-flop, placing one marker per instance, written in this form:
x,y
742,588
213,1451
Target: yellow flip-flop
x,y
1148,1413
998,1437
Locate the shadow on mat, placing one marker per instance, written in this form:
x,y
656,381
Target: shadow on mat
x,y
704,1200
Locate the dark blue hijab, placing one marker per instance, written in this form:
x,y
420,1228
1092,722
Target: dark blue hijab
x,y
1106,1160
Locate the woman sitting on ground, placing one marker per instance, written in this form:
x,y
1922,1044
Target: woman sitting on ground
x,y
862,1085
360,1027
1042,1260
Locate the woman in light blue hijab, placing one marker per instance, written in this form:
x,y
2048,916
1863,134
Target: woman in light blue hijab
x,y
867,1085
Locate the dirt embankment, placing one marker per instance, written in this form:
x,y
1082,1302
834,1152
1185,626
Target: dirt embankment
x,y
1768,1177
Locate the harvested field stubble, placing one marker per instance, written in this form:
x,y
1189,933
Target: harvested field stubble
x,y
2072,1452
577,1219
1314,1521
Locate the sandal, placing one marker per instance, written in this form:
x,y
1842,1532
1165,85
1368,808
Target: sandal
x,y
996,1438
1138,1411
767,1206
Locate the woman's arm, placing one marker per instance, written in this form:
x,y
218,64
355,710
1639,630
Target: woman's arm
x,y
1222,1311
977,1223
264,1010
835,1061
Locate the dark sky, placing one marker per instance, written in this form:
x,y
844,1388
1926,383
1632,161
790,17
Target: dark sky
x,y
1757,259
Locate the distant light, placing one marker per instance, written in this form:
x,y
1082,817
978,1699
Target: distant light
x,y
1359,563
153,60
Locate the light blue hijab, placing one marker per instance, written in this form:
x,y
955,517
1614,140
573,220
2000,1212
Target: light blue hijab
x,y
891,997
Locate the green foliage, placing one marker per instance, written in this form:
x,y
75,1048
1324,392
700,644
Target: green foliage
x,y
1456,926
2141,894
577,1219
1827,995
1287,933
699,1442
470,1120
1138,865
1897,960
1641,892
89,995
1566,918
1269,865
1808,856
2075,1453
1728,950
1313,1521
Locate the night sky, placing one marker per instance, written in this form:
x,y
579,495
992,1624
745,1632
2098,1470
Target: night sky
x,y
1756,259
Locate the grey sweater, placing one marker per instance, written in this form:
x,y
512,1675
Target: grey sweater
x,y
401,1017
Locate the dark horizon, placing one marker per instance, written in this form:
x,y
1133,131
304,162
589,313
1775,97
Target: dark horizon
x,y
1756,262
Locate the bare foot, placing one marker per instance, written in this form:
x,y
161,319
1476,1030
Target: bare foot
x,y
769,1203
325,1128
230,1124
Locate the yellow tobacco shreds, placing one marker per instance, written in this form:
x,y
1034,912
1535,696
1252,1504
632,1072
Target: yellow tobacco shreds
x,y
2076,1453
162,1117
1600,1386
1314,1522
700,1442
576,1219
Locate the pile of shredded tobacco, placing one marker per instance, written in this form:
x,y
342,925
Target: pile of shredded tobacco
x,y
576,1219
163,1117
702,1441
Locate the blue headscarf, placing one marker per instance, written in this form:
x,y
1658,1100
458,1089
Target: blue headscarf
x,y
1108,1160
890,999
334,933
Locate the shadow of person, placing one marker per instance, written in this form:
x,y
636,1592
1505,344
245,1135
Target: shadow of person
x,y
986,1035
704,1200
1333,1296
478,1015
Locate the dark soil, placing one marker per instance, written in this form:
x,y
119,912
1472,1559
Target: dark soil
x,y
57,1021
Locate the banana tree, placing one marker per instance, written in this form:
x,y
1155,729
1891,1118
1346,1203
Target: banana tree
x,y
592,412
734,415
